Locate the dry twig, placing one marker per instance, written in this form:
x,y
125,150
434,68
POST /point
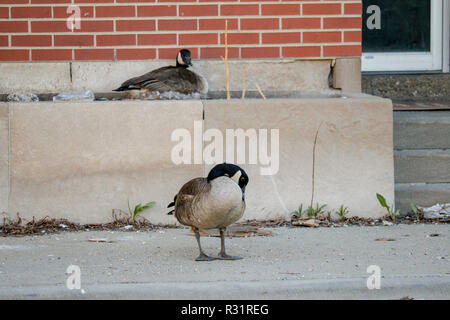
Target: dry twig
x,y
226,60
260,91
314,164
244,78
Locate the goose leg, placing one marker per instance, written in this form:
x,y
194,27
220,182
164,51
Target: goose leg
x,y
222,254
202,256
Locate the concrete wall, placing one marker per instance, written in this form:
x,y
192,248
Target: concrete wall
x,y
279,75
81,160
4,156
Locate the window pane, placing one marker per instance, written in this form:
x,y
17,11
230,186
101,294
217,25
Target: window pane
x,y
396,26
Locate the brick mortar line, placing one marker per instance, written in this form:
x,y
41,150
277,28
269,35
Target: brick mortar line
x,y
177,32
173,46
200,46
156,31
278,59
131,3
348,15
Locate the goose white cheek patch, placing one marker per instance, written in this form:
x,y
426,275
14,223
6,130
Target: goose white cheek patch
x,y
179,59
236,176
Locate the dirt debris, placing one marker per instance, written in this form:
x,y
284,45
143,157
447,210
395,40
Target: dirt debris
x,y
121,221
323,221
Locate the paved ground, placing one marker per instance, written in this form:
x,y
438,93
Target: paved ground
x,y
294,263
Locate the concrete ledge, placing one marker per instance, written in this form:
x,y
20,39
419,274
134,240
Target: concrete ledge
x,y
289,75
347,74
35,77
81,160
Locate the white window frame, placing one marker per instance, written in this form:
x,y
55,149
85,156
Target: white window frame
x,y
446,36
412,61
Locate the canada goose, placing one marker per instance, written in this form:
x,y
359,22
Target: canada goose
x,y
170,78
214,202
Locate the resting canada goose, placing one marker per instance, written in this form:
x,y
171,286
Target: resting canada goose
x,y
170,78
214,202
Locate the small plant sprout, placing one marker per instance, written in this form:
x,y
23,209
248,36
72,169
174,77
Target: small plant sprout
x,y
138,209
342,212
313,212
298,213
310,212
390,209
329,215
415,210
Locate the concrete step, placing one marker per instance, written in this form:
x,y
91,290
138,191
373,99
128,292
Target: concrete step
x,y
421,194
430,286
422,130
422,166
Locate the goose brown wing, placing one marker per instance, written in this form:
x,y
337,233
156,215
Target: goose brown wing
x,y
188,82
172,79
153,80
164,79
187,196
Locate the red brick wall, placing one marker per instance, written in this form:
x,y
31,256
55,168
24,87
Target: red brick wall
x,y
36,30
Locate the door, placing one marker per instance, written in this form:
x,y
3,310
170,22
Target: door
x,y
402,35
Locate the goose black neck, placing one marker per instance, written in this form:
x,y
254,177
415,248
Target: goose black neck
x,y
182,65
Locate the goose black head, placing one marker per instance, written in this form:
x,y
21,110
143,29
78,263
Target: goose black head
x,y
234,172
184,58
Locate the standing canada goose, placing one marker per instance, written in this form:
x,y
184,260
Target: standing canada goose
x,y
214,202
170,78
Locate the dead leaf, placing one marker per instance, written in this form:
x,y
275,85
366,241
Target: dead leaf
x,y
100,240
312,223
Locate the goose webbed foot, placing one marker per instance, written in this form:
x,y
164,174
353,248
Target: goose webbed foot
x,y
204,257
224,256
